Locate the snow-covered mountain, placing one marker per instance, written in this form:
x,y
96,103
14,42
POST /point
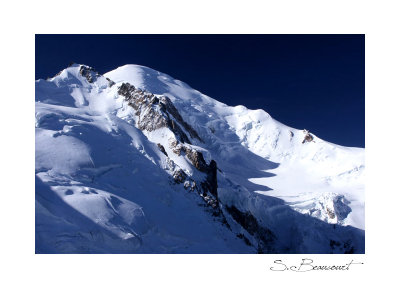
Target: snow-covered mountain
x,y
138,162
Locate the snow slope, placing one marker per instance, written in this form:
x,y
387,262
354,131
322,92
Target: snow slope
x,y
120,170
320,172
100,186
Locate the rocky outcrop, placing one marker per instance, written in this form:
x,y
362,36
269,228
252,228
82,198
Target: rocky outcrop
x,y
308,137
179,176
156,112
171,109
196,158
330,213
92,75
162,149
264,236
193,155
190,185
210,184
89,73
110,82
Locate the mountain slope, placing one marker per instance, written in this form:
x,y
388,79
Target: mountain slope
x,y
311,166
137,162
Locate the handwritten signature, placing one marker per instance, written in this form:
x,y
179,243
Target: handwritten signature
x,y
307,265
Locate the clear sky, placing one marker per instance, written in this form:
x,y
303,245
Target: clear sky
x,y
304,81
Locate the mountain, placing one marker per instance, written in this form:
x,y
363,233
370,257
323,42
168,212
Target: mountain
x,y
134,161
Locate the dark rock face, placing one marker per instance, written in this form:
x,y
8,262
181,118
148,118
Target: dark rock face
x,y
211,183
330,213
196,158
308,137
176,147
190,185
264,236
162,149
179,176
89,73
170,108
155,113
110,82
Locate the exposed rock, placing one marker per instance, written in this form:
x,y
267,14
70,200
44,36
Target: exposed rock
x,y
89,73
308,137
150,118
179,176
330,213
162,149
178,149
264,236
196,158
169,106
187,185
170,164
211,183
110,82
193,186
214,204
212,173
156,112
190,185
175,146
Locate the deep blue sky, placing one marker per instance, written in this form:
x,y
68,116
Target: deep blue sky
x,y
304,81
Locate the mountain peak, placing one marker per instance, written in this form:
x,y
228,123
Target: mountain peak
x,y
140,76
119,163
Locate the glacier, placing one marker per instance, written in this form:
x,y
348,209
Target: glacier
x,y
135,161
